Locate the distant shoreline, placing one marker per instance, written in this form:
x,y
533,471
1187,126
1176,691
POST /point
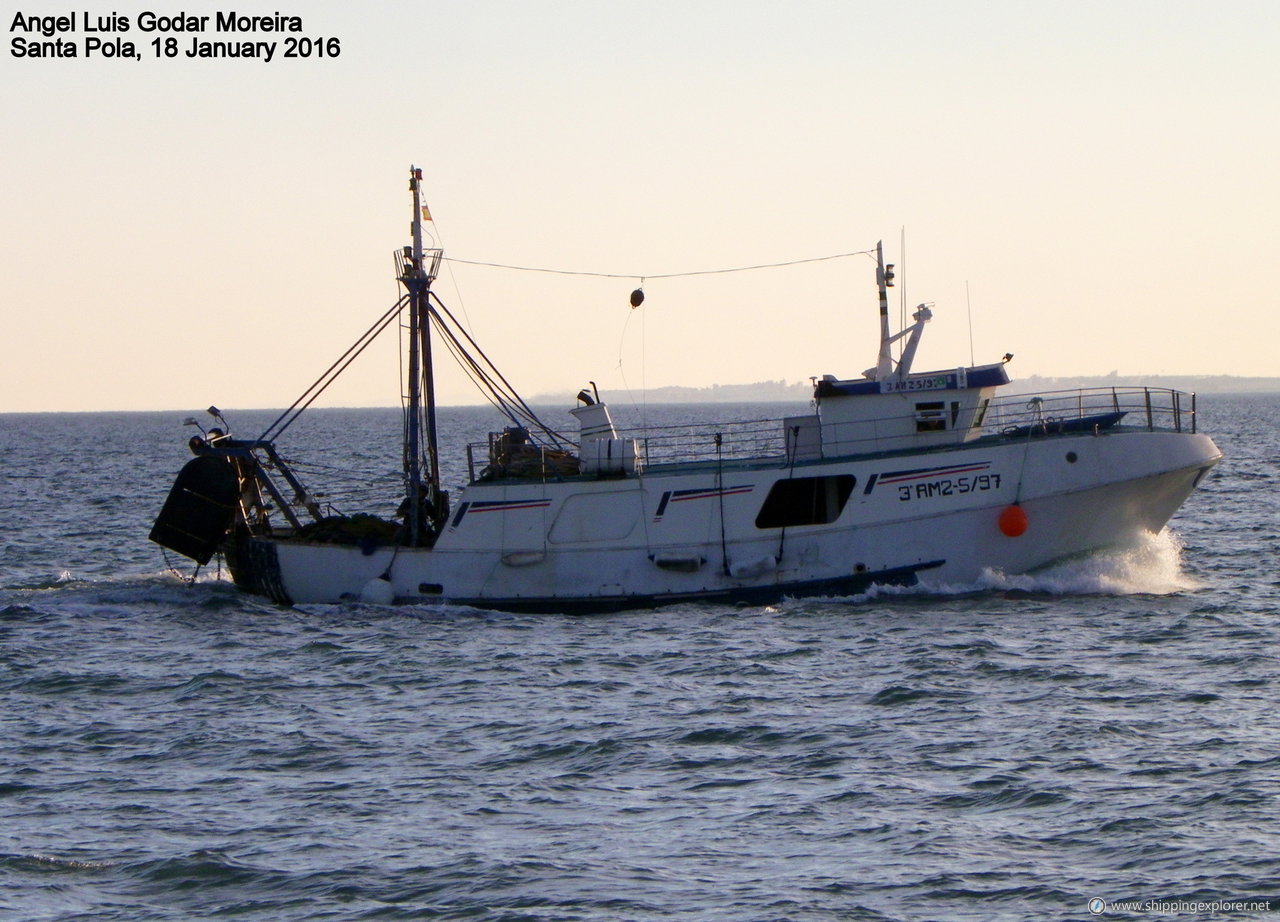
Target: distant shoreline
x,y
802,392
780,391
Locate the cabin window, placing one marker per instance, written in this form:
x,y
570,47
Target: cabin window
x,y
805,501
981,413
931,416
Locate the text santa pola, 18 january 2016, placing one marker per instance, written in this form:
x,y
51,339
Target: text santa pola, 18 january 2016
x,y
103,36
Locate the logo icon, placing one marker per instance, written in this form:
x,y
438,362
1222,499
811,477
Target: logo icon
x,y
1097,905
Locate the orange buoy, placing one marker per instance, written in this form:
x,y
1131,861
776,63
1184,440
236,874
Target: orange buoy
x,y
1013,520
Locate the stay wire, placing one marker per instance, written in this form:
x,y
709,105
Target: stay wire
x,y
331,374
652,275
309,396
507,403
510,391
494,391
477,375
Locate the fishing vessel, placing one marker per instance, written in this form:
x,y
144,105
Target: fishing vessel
x,y
891,477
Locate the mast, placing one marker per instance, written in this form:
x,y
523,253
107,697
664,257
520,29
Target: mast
x,y
423,499
884,369
884,281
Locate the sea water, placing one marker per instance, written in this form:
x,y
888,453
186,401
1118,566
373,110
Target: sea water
x,y
1013,749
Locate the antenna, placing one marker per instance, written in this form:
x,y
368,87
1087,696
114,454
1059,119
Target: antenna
x,y
902,289
969,307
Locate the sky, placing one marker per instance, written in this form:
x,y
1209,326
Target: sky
x,y
1091,186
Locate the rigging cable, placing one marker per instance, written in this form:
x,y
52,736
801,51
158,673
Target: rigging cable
x,y
644,362
651,275
503,398
331,373
506,395
501,387
642,276
487,388
793,449
724,541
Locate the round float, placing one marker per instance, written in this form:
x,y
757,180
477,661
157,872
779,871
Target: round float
x,y
1013,520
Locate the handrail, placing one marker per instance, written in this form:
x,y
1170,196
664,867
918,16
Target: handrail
x,y
1031,413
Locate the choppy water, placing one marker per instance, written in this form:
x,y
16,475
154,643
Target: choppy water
x,y
1005,751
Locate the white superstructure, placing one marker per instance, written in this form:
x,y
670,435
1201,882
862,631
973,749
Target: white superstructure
x,y
896,476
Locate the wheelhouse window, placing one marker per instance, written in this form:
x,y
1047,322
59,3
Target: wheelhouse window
x,y
805,501
931,416
979,416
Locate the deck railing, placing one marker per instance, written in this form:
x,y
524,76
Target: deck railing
x,y
1152,408
1013,416
733,441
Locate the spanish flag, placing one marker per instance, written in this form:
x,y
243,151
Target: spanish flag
x,y
426,213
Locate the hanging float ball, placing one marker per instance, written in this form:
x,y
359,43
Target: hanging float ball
x,y
637,297
1013,520
378,591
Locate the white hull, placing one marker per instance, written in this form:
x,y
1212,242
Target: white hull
x,y
893,477
597,544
